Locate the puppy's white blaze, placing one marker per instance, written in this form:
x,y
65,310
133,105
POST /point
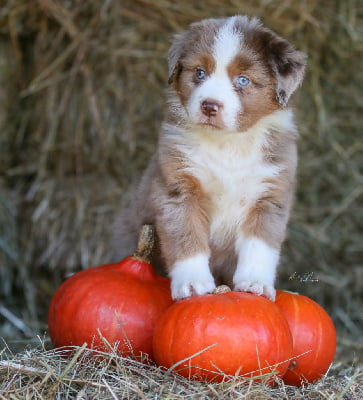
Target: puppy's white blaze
x,y
218,85
225,49
191,276
226,45
256,267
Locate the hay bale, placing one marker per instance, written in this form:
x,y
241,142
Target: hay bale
x,y
93,77
74,212
8,241
9,70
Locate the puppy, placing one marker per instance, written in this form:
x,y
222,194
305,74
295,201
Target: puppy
x,y
220,186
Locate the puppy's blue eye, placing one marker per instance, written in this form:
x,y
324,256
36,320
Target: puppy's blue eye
x,y
200,73
243,81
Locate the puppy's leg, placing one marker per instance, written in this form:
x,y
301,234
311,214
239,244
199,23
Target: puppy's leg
x,y
256,267
183,230
136,211
258,247
125,231
191,276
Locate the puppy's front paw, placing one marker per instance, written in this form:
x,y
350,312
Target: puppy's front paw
x,y
181,290
190,277
257,288
256,267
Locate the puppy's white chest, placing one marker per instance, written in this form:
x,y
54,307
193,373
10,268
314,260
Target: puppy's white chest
x,y
233,180
232,188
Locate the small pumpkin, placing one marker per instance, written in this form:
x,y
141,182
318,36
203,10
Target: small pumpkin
x,y
218,336
313,335
118,302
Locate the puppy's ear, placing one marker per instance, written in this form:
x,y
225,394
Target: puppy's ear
x,y
288,65
175,53
199,35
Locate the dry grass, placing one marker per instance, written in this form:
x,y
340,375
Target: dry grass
x,y
81,102
42,374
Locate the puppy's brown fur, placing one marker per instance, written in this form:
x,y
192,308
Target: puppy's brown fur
x,y
181,194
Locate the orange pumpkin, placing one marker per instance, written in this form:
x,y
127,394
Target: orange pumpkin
x,y
218,336
118,302
313,335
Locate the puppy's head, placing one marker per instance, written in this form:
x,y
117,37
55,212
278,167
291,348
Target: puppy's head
x,y
228,73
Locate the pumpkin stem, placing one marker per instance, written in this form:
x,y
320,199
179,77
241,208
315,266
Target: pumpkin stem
x,y
145,243
221,289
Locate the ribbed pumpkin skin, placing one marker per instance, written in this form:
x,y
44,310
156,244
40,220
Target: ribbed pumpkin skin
x,y
313,333
121,301
248,334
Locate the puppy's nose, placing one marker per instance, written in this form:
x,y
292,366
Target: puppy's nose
x,y
210,107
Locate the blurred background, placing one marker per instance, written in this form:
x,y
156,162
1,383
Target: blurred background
x,y
81,100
